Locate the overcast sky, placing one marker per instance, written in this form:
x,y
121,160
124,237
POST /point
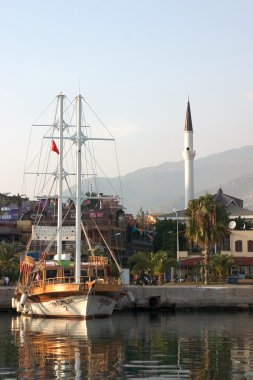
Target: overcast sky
x,y
136,62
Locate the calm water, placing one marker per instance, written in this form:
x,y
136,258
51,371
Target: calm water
x,y
197,346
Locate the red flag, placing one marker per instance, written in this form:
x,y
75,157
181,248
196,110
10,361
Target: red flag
x,y
54,147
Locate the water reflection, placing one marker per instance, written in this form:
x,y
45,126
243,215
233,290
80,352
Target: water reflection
x,y
216,346
61,348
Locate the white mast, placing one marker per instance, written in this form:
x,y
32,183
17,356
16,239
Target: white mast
x,y
78,187
60,174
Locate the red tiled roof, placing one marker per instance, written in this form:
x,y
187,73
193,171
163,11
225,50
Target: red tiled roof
x,y
244,260
191,261
241,261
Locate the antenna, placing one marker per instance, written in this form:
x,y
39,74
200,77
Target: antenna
x,y
232,224
79,85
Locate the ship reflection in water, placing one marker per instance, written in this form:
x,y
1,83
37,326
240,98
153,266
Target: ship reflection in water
x,y
213,346
57,348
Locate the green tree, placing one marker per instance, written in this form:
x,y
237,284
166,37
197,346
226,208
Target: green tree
x,y
142,218
4,201
242,224
162,262
166,236
138,262
9,260
219,266
207,223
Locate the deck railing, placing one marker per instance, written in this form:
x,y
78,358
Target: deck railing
x,y
71,280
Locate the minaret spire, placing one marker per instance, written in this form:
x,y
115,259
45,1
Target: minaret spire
x,y
188,119
188,155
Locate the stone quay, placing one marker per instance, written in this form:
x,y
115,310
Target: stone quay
x,y
187,297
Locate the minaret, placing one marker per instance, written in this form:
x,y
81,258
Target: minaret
x,y
188,155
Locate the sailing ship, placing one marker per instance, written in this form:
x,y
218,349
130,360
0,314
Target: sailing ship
x,y
60,278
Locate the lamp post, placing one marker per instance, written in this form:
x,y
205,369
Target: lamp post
x,y
175,211
119,254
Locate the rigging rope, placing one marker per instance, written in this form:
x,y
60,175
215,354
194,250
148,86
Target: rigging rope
x,y
107,246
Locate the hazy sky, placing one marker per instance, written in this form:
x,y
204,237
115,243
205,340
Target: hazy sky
x,y
136,62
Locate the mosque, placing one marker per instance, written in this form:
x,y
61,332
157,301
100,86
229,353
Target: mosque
x,y
240,242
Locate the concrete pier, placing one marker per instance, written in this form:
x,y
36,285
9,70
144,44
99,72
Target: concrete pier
x,y
180,297
172,297
6,294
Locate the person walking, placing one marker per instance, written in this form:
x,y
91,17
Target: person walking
x,y
6,281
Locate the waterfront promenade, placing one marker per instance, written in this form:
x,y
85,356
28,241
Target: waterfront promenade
x,y
172,297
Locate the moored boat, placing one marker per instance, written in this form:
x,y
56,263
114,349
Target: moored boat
x,y
64,274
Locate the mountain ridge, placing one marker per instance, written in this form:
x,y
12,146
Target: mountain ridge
x,y
161,187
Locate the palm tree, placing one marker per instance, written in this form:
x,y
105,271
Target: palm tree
x,y
9,260
138,262
207,223
162,262
220,264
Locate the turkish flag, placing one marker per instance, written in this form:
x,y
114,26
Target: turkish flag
x,y
54,147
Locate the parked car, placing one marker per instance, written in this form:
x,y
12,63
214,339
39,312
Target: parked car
x,y
232,279
181,278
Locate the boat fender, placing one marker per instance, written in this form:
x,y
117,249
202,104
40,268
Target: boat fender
x,y
14,303
23,299
130,296
18,307
26,308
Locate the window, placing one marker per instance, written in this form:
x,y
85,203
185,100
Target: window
x,y
51,274
250,245
238,246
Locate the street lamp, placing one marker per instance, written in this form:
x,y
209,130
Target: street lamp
x,y
175,211
115,236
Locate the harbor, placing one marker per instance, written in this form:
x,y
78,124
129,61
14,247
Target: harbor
x,y
171,298
126,200
140,345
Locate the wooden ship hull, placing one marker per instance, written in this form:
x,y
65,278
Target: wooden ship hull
x,y
61,296
71,300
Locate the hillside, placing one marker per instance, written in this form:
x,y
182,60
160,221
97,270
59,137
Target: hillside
x,y
161,188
